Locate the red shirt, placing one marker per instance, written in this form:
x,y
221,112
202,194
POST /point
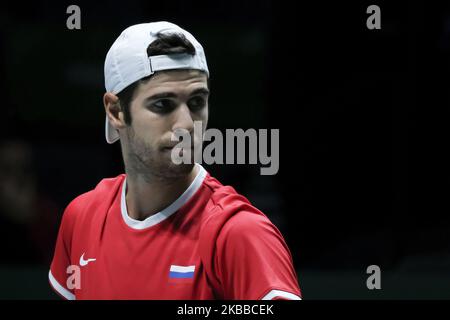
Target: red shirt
x,y
211,243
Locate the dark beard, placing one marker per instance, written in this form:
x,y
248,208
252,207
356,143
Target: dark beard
x,y
150,163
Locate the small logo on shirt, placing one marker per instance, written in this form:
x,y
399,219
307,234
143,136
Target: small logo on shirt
x,y
84,262
181,272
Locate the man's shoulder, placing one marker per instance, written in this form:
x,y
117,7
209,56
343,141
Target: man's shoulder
x,y
233,221
230,208
222,196
104,190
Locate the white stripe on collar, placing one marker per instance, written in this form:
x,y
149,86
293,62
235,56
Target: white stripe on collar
x,y
168,211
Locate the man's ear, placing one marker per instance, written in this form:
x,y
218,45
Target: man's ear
x,y
113,110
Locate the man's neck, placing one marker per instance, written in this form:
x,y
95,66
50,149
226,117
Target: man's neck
x,y
145,198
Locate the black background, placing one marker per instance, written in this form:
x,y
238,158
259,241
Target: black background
x,y
362,115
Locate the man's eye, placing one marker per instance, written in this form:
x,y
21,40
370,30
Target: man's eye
x,y
196,103
164,105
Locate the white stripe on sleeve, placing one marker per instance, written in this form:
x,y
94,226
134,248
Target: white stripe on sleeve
x,y
59,288
279,293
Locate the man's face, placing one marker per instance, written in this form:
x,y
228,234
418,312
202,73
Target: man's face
x,y
167,103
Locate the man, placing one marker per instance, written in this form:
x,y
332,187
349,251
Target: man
x,y
164,230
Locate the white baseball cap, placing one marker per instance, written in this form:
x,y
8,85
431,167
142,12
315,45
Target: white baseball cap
x,y
127,60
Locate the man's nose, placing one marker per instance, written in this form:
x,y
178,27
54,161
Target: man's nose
x,y
183,119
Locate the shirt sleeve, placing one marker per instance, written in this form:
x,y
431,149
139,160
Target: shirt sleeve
x,y
253,260
58,274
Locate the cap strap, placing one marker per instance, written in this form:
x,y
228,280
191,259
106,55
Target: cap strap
x,y
176,61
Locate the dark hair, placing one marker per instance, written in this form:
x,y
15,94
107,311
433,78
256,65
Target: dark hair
x,y
165,44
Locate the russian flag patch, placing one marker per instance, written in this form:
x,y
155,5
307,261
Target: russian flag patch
x,y
181,272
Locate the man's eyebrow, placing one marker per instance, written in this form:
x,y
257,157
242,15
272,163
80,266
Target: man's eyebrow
x,y
202,91
162,95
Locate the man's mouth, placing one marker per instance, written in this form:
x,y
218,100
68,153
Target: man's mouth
x,y
172,147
